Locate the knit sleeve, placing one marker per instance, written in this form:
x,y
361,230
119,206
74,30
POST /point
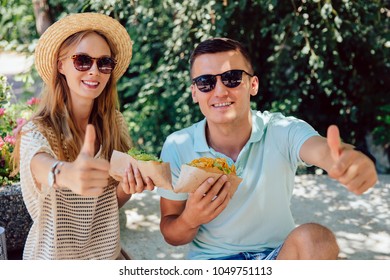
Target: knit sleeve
x,y
32,143
65,225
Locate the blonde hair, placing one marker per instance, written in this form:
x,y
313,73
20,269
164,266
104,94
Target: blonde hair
x,y
55,113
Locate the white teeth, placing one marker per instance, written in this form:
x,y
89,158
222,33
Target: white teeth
x,y
222,104
90,83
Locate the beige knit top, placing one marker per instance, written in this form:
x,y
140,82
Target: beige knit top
x,y
66,225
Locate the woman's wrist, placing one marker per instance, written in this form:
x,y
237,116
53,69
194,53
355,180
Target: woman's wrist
x,y
58,176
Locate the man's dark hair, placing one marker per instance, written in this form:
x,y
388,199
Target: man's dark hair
x,y
217,45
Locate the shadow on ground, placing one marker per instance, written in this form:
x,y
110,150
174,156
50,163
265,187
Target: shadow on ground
x,y
140,230
361,223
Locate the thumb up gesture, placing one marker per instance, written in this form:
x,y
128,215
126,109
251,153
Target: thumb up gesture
x,y
351,168
87,175
334,143
88,148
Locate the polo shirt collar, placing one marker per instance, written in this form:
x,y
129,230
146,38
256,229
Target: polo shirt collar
x,y
258,126
200,142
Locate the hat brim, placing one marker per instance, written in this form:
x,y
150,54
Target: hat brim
x,y
46,51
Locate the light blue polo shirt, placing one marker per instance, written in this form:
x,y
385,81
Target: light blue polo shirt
x,y
258,217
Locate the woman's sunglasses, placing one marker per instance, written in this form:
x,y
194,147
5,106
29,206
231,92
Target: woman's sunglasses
x,y
83,62
231,79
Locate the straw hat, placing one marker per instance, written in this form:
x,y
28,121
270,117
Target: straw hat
x,y
46,52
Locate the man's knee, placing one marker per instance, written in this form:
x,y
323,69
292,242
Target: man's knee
x,y
317,231
313,241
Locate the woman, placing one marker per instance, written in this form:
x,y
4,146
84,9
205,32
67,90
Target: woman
x,y
64,150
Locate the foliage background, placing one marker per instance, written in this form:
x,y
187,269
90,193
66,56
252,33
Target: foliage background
x,y
324,61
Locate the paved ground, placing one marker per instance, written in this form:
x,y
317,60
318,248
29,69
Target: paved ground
x,y
361,223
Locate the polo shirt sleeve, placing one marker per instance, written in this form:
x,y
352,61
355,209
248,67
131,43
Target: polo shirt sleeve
x,y
290,134
172,153
300,132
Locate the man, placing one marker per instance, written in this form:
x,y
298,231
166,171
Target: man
x,y
266,148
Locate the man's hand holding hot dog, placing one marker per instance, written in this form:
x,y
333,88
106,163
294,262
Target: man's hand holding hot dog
x,y
207,202
202,206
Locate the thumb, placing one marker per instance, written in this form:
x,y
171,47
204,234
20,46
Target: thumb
x,y
334,143
89,141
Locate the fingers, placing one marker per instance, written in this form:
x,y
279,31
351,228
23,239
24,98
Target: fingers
x,y
133,181
213,195
218,190
222,196
210,187
223,199
92,173
89,141
89,172
360,183
208,201
355,171
99,164
91,178
342,165
333,139
149,184
350,167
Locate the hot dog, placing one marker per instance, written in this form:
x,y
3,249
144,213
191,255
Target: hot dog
x,y
216,165
142,155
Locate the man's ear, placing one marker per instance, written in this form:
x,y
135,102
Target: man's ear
x,y
254,85
193,94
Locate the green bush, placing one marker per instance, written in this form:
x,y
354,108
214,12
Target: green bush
x,y
321,62
17,22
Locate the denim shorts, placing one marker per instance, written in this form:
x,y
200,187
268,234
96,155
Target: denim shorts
x,y
268,254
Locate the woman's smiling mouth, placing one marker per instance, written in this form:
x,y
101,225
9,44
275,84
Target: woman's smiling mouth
x,y
91,84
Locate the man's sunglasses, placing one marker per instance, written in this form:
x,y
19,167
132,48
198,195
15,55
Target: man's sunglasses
x,y
83,62
231,79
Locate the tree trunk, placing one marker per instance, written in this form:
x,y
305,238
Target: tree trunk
x,y
42,14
